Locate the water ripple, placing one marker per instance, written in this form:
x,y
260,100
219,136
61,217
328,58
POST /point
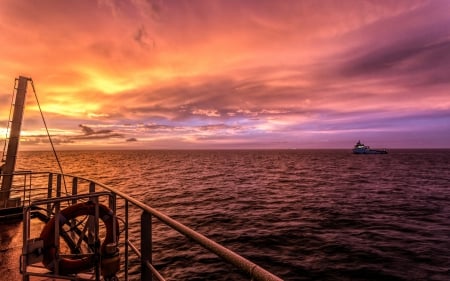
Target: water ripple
x,y
304,215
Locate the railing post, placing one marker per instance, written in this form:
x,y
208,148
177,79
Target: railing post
x,y
91,187
25,189
29,189
49,193
146,245
96,239
58,185
57,225
91,222
25,238
74,189
74,201
126,240
112,200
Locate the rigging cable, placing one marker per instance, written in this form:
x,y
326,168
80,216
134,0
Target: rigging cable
x,y
49,137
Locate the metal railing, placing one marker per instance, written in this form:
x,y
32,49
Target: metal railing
x,y
44,185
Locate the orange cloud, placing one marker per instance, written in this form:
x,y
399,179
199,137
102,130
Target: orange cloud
x,y
228,72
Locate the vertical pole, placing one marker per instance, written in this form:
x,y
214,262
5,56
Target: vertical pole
x,y
14,137
29,189
25,188
91,222
97,241
58,186
25,237
126,240
112,202
74,189
57,220
112,206
91,187
74,201
49,193
146,245
57,226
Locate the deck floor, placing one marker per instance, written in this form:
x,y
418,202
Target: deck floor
x,y
10,250
11,235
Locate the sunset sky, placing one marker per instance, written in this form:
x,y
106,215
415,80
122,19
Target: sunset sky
x,y
137,74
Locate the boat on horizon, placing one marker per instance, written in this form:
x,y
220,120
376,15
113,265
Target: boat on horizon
x,y
360,148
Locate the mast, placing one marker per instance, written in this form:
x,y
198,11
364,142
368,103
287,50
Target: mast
x,y
14,137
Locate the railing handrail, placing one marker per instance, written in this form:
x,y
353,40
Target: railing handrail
x,y
253,270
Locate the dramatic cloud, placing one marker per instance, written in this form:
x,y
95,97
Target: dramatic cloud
x,y
91,134
230,74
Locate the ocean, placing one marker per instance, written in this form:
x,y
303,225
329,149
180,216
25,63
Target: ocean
x,y
301,214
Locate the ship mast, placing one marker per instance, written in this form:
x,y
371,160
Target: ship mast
x,y
13,140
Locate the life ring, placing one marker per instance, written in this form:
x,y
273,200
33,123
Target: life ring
x,y
71,266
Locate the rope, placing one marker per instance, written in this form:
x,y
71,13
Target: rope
x,y
49,137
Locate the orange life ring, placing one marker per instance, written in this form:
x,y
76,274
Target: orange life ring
x,y
67,265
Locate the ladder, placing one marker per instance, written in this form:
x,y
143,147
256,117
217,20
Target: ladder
x,y
5,147
12,141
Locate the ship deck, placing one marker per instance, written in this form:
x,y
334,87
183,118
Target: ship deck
x,y
43,198
11,234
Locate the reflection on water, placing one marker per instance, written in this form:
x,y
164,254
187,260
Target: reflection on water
x,y
304,215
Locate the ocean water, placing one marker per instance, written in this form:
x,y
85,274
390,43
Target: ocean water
x,y
301,214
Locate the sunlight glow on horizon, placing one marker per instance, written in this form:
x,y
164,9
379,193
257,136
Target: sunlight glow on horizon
x,y
230,74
